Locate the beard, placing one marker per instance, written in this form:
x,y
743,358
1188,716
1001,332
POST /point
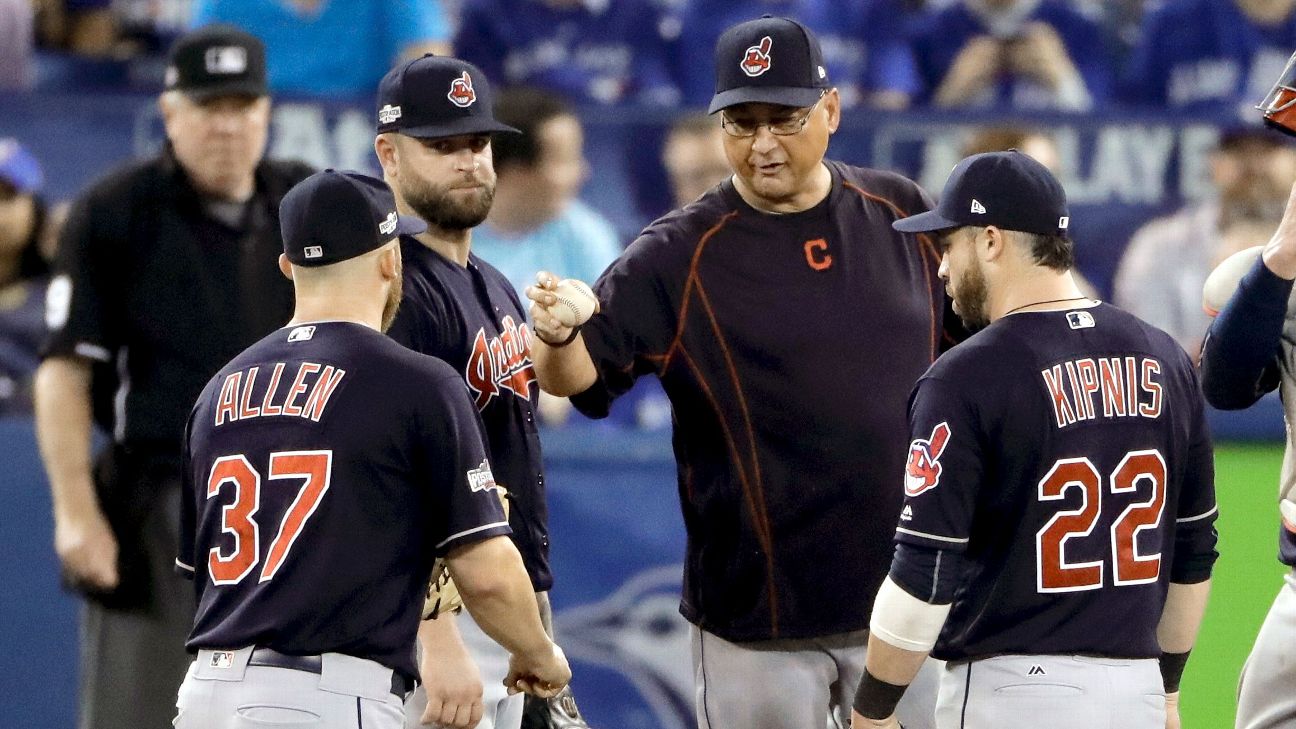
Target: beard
x,y
392,305
436,205
971,298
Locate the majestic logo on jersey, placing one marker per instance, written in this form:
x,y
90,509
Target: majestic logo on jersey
x,y
500,363
757,60
461,92
923,469
1036,670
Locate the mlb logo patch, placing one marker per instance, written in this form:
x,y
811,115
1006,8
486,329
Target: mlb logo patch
x,y
481,478
301,334
222,659
388,226
226,60
313,252
1080,320
389,114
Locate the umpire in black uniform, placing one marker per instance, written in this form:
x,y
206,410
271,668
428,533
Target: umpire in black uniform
x,y
166,269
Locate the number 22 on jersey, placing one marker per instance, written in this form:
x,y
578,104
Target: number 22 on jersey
x,y
312,468
1139,472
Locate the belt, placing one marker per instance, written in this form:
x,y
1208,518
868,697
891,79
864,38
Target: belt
x,y
401,684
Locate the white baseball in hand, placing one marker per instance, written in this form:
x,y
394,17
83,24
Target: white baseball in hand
x,y
575,304
1223,281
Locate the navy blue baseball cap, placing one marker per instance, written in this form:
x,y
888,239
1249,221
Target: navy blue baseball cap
x,y
768,60
332,216
437,96
1010,190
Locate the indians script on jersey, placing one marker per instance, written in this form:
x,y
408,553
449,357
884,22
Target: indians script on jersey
x,y
317,382
500,363
1079,386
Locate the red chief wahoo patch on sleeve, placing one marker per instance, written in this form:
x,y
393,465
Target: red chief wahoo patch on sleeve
x,y
461,91
923,469
757,59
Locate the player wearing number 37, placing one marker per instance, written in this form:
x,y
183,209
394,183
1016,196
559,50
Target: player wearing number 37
x,y
1057,537
325,468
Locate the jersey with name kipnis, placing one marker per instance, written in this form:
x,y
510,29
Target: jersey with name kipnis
x,y
327,467
470,316
787,345
1065,455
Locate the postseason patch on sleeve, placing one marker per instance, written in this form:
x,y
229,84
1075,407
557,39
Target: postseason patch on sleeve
x,y
481,478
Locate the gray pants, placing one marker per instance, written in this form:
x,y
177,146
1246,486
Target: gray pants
x,y
793,684
132,661
221,691
1265,693
1060,692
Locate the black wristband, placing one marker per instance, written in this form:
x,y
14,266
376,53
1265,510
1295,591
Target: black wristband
x,y
570,338
877,699
1172,668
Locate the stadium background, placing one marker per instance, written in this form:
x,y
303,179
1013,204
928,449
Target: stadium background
x,y
619,574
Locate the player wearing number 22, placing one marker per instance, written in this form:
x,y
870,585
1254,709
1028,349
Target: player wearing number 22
x,y
326,468
1057,537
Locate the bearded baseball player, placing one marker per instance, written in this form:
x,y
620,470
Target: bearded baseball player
x,y
1250,350
435,121
326,467
1057,536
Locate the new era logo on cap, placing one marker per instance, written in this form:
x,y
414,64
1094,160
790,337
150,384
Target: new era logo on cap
x,y
226,60
757,61
977,207
1063,222
389,114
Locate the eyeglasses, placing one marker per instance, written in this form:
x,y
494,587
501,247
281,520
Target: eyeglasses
x,y
781,128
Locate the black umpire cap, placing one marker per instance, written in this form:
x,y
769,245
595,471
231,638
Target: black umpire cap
x,y
1010,190
217,60
437,96
768,60
332,216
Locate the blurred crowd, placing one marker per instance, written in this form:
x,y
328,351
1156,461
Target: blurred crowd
x,y
558,59
1067,55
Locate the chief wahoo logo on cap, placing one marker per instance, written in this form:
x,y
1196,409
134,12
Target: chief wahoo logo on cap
x,y
461,92
757,60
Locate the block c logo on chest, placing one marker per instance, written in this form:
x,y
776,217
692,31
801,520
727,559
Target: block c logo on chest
x,y
816,254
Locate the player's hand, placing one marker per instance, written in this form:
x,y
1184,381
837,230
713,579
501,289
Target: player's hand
x,y
1172,710
542,675
972,71
544,323
858,721
454,689
87,548
1280,253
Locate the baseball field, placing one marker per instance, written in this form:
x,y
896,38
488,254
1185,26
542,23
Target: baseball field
x,y
1247,577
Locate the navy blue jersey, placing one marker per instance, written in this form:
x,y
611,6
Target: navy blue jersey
x,y
471,318
787,345
326,468
1065,455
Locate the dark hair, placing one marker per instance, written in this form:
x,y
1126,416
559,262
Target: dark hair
x,y
526,109
1052,251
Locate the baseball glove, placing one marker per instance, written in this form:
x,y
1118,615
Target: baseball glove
x,y
442,594
560,712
